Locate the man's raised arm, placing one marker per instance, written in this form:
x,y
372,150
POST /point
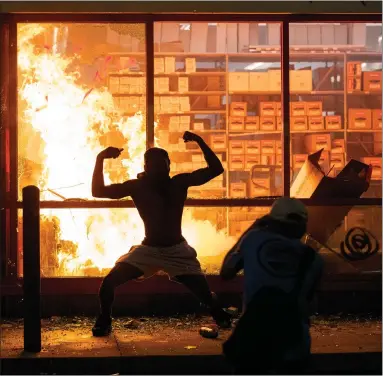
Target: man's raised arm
x,y
99,189
214,166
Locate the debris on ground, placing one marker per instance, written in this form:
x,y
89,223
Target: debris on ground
x,y
209,331
190,347
132,324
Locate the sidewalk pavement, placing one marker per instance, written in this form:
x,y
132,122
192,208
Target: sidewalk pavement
x,y
174,346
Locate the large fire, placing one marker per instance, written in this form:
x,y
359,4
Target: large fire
x,y
70,120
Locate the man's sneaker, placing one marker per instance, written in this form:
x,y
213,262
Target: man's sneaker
x,y
102,327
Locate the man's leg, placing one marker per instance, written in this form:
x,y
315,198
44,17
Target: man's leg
x,y
198,285
121,273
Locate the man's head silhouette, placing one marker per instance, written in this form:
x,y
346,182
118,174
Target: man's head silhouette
x,y
157,163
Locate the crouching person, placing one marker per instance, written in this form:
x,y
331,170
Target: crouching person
x,y
281,274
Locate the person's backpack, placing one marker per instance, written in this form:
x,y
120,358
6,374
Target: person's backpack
x,y
271,323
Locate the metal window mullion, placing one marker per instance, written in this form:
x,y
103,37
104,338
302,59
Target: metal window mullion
x,y
149,39
285,67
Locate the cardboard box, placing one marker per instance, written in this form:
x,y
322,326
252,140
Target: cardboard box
x,y
376,163
354,84
275,80
252,160
333,122
236,147
324,161
315,142
336,160
238,81
377,143
197,126
316,123
252,123
267,123
184,104
253,147
236,123
114,85
236,162
278,147
279,123
279,109
299,160
359,118
354,69
372,81
159,65
259,187
190,65
278,160
338,146
170,64
268,147
314,109
298,108
213,83
268,159
238,190
213,101
267,108
183,84
218,141
238,109
301,81
298,123
259,81
377,119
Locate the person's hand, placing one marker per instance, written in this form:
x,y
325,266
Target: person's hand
x,y
110,152
189,136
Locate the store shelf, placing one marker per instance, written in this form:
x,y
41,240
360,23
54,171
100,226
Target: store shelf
x,y
177,74
128,95
365,93
183,93
270,93
194,112
319,131
364,131
127,74
253,133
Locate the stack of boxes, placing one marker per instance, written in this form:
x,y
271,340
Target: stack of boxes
x,y
364,119
242,218
171,104
358,81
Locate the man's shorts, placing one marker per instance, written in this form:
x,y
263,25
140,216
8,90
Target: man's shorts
x,y
180,259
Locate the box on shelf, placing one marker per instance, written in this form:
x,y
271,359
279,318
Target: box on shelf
x,y
175,104
190,65
252,123
299,160
236,162
259,187
315,142
275,80
377,143
338,146
316,123
197,158
236,147
279,123
298,123
359,118
377,119
114,85
278,147
238,109
238,190
278,108
218,141
159,65
184,123
213,101
170,64
198,126
236,123
238,81
259,81
354,84
324,161
314,108
253,147
376,163
252,160
184,104
298,108
301,80
213,83
267,108
268,147
268,159
333,123
354,69
337,160
267,123
372,81
124,85
174,124
183,84
278,160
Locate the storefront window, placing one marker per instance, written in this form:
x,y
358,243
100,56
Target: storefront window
x,y
222,81
336,107
81,87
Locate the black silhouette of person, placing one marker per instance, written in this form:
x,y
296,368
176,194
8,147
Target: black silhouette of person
x,y
160,202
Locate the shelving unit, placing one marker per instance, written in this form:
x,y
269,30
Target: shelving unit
x,y
218,66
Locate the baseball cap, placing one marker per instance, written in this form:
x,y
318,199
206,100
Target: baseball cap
x,y
287,209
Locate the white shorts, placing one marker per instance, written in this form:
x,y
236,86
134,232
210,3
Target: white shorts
x,y
179,259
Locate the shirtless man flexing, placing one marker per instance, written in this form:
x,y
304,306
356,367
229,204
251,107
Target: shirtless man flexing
x,y
160,202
